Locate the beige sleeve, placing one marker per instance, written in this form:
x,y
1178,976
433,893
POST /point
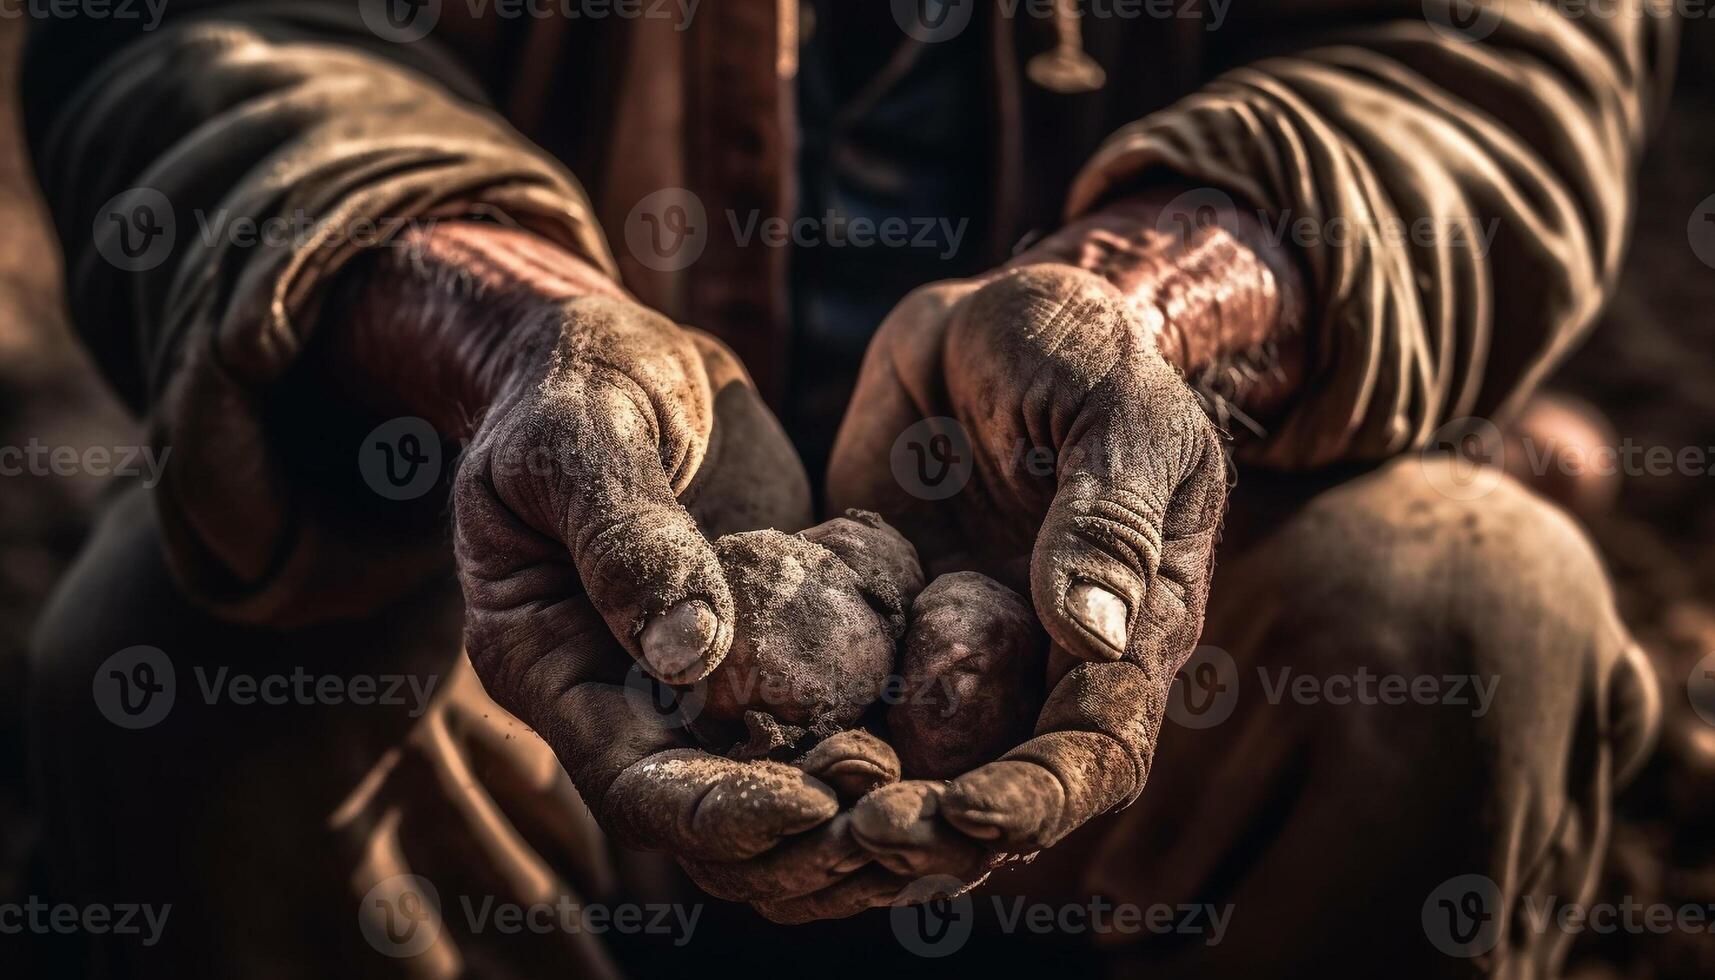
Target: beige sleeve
x,y
1456,177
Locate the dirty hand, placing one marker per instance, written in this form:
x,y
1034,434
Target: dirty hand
x,y
1082,466
609,441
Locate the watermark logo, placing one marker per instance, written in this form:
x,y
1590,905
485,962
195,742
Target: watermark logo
x,y
400,459
1197,209
400,21
1462,916
1192,213
401,916
39,917
1463,20
36,458
932,459
1700,687
668,229
1464,459
135,687
1205,690
149,12
135,230
1701,231
933,21
665,707
935,925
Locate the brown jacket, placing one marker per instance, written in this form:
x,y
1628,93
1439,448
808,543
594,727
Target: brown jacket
x,y
1459,192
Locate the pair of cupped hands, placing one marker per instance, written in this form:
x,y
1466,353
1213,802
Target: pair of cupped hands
x,y
610,445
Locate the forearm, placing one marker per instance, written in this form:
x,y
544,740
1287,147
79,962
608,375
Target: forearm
x,y
1458,188
1225,300
435,323
256,148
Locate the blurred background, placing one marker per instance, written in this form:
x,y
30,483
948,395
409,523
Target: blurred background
x,y
1647,375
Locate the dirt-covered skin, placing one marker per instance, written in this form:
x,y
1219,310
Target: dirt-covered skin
x,y
818,618
973,676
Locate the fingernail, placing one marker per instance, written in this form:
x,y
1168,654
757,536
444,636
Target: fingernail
x,y
675,642
1099,611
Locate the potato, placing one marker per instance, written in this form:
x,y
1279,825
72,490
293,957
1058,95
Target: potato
x,y
819,617
973,676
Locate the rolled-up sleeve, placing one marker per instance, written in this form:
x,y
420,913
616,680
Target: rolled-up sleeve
x,y
1456,177
208,176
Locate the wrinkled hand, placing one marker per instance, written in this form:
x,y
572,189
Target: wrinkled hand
x,y
583,509
1095,478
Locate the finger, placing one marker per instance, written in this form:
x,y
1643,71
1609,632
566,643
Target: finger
x,y
627,413
853,763
1125,552
901,826
1096,736
869,888
895,390
797,866
649,791
1125,430
705,807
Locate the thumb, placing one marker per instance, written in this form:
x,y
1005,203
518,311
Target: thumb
x,y
1122,561
643,562
647,568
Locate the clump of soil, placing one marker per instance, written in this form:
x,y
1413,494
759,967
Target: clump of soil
x,y
821,636
819,618
973,676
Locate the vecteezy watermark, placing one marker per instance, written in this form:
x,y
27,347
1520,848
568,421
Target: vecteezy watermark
x,y
933,21
833,230
1463,20
1462,916
42,918
135,230
400,459
403,916
148,12
1464,459
404,21
671,708
137,687
668,230
1367,689
1467,458
1205,690
1476,20
400,21
933,925
938,922
1628,915
35,458
932,459
1700,230
1188,213
1208,687
1700,688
